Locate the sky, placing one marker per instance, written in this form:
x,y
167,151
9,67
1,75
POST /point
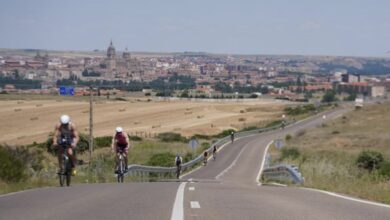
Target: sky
x,y
302,27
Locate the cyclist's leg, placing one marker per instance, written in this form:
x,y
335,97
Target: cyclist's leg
x,y
72,157
125,154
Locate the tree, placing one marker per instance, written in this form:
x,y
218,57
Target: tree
x,y
329,96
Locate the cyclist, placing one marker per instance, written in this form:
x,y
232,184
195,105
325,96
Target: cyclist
x,y
205,155
283,124
65,134
232,136
178,161
214,152
120,143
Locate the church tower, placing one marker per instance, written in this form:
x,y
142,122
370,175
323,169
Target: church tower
x,y
111,57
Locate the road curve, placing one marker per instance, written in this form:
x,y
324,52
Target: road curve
x,y
224,189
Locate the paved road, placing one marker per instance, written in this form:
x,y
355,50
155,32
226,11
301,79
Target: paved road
x,y
224,189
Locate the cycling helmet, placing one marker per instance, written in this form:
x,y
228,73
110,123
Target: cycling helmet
x,y
65,119
118,129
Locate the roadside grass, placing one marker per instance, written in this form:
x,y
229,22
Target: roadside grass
x,y
328,153
101,170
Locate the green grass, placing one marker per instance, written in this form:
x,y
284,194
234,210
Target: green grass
x,y
328,154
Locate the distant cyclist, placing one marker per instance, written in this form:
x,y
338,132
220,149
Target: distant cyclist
x,y
65,134
214,152
283,124
178,162
232,136
120,143
205,156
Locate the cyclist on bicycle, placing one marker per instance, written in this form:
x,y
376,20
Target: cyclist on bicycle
x,y
65,134
214,152
120,143
178,162
232,136
205,155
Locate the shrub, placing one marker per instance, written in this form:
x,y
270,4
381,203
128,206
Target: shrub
x,y
288,137
135,138
100,142
292,153
171,137
162,159
12,169
224,133
274,123
369,160
384,169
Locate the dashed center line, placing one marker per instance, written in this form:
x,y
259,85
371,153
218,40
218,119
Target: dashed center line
x,y
191,188
195,205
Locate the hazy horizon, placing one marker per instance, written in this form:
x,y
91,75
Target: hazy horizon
x,y
358,28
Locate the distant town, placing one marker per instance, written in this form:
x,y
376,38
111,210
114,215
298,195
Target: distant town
x,y
192,74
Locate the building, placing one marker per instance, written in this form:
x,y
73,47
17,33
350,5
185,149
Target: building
x,y
350,78
111,57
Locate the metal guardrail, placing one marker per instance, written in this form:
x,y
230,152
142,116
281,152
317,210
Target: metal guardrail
x,y
283,173
141,170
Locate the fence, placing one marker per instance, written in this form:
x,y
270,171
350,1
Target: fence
x,y
283,173
141,170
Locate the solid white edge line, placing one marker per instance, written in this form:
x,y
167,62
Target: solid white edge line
x,y
23,191
178,209
347,197
262,163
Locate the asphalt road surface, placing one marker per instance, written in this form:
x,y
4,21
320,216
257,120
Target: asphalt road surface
x,y
224,189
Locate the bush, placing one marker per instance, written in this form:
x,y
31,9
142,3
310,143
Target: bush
x,y
171,137
162,159
274,123
224,133
384,169
369,160
12,169
292,153
100,142
288,137
135,138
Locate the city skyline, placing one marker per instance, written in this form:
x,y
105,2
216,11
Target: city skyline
x,y
348,28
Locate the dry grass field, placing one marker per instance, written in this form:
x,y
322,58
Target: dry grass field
x,y
329,152
26,121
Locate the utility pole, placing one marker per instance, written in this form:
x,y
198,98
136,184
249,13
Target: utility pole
x,y
90,124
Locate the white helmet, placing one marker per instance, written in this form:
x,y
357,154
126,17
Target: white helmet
x,y
118,129
65,119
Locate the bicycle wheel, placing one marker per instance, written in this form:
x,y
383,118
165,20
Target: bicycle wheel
x,y
68,173
178,172
62,172
121,170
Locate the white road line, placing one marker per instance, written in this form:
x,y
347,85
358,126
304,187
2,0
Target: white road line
x,y
178,210
23,191
232,164
219,149
262,164
348,198
191,188
195,205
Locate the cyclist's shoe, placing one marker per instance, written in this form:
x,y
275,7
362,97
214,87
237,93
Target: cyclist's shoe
x,y
116,171
74,171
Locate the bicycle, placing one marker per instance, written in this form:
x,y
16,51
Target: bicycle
x,y
178,171
65,173
214,155
121,167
